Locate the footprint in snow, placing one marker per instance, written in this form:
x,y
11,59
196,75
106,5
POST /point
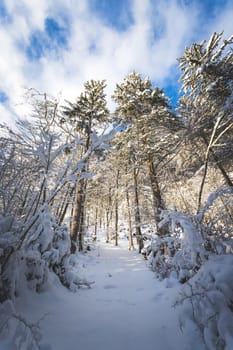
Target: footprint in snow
x,y
158,296
110,286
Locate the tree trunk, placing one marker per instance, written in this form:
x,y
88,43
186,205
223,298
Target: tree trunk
x,y
129,220
64,207
100,217
137,213
210,152
156,193
217,162
116,209
78,215
96,224
108,213
107,225
223,171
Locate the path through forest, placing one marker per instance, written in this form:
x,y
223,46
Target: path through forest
x,y
126,308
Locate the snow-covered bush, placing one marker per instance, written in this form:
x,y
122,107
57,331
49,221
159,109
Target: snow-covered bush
x,y
28,258
208,300
216,218
200,256
181,252
191,239
27,255
20,334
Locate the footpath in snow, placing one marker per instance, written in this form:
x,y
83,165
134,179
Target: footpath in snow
x,y
126,308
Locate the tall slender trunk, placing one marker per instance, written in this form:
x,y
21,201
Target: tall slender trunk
x,y
100,217
96,224
137,212
131,246
221,168
107,225
108,213
217,162
116,209
81,230
65,204
158,204
210,152
78,213
23,205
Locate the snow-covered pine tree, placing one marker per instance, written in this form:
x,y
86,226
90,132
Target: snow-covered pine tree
x,y
207,104
149,128
87,115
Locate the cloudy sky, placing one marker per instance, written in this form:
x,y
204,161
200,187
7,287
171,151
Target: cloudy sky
x,y
55,46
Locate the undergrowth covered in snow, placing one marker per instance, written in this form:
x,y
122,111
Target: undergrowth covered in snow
x,y
36,173
208,300
28,264
201,259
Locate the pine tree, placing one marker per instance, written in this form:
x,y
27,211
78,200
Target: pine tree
x,y
207,105
88,114
150,124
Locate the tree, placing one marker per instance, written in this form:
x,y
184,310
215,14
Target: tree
x,y
88,114
149,128
207,105
33,178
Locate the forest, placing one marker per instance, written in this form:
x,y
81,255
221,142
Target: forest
x,y
161,175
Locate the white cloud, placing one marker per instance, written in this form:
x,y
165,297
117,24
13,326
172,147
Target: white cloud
x,y
178,26
11,66
150,45
32,11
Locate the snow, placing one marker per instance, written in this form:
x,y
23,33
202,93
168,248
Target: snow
x,y
210,293
126,308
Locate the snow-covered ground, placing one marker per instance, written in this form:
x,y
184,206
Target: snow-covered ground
x,y
126,308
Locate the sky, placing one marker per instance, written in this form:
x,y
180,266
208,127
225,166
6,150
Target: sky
x,y
54,46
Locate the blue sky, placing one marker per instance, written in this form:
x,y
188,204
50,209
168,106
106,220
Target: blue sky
x,y
53,37
55,46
